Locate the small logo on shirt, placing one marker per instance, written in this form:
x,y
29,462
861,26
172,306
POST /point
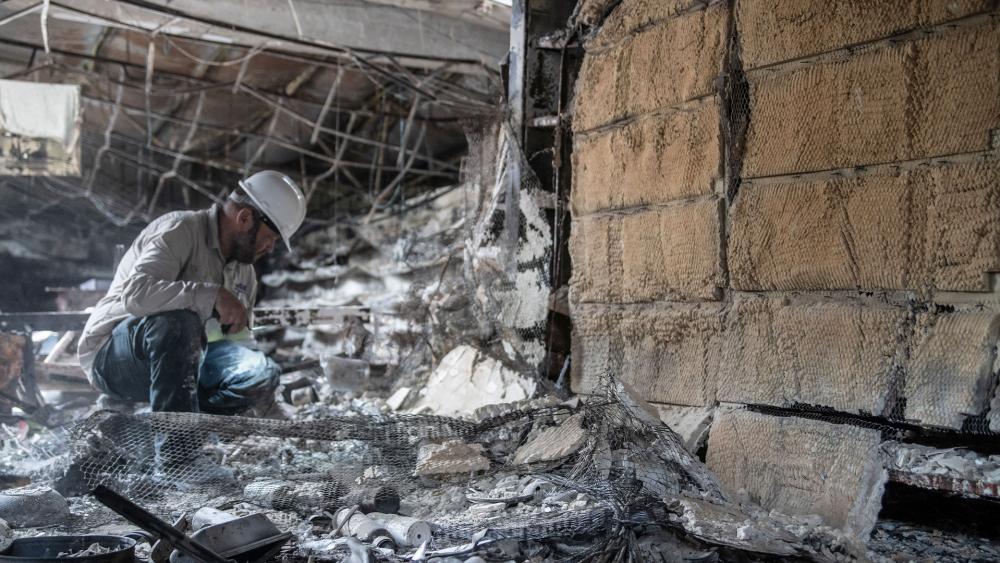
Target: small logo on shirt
x,y
241,288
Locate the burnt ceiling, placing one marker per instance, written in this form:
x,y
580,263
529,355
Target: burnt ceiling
x,y
363,102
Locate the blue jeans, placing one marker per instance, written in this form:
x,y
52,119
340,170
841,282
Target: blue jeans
x,y
163,359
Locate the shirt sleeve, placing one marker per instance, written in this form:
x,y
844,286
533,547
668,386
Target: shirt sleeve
x,y
153,286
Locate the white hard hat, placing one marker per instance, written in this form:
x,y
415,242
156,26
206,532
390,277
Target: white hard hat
x,y
279,198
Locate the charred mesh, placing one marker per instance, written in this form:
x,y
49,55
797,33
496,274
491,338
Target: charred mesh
x,y
628,461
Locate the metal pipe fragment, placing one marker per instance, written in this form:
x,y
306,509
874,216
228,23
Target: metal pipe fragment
x,y
405,531
364,528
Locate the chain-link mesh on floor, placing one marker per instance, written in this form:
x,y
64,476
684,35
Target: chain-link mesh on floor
x,y
629,465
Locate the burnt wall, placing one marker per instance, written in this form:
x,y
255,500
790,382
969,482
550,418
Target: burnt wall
x,y
797,205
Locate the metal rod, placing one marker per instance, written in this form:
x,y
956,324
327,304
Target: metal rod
x,y
142,518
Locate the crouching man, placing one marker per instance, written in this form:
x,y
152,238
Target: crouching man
x,y
146,339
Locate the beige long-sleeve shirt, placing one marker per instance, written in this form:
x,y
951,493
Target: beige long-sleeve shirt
x,y
174,263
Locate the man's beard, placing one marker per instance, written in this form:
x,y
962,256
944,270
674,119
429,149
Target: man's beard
x,y
245,245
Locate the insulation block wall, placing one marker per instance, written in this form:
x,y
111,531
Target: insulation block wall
x,y
800,466
797,205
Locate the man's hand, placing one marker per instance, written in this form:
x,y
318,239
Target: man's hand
x,y
232,313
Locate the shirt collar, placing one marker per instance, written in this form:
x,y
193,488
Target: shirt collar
x,y
212,234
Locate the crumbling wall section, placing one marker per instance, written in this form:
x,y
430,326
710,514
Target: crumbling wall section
x,y
794,205
648,202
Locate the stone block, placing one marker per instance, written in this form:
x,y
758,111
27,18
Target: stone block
x,y
836,355
595,247
631,16
669,353
656,68
670,253
771,32
653,160
950,372
933,227
800,467
911,100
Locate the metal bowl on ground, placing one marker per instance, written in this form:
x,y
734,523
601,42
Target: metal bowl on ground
x,y
113,549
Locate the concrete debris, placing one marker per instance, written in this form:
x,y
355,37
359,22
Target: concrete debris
x,y
209,516
303,396
487,509
553,443
489,411
690,423
952,469
955,462
467,379
452,456
31,506
760,531
894,541
772,461
398,398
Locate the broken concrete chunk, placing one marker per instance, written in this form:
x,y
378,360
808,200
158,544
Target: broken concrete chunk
x,y
951,367
303,396
396,400
452,456
27,507
467,379
490,411
952,463
487,509
748,527
800,467
553,443
690,423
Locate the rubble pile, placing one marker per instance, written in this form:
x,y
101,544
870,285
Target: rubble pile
x,y
575,480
